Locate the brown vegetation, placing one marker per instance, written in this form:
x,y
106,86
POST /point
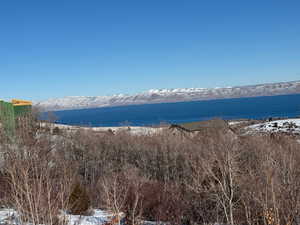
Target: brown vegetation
x,y
206,178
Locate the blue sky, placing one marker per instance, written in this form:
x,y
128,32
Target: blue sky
x,y
94,47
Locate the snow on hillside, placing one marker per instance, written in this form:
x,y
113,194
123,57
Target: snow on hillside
x,y
169,95
278,126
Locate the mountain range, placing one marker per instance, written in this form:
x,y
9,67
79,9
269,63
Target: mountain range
x,y
169,95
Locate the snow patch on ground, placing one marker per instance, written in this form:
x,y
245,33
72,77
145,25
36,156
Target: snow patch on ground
x,y
8,216
291,126
233,123
98,217
133,130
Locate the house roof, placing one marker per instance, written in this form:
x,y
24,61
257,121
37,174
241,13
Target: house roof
x,y
197,126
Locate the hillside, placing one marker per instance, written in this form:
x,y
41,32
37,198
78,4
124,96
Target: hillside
x,y
169,95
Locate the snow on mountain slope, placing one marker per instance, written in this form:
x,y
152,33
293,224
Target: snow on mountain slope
x,y
169,95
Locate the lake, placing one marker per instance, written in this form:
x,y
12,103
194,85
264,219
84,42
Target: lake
x,y
180,112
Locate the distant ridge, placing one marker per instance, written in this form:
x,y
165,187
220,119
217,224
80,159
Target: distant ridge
x,y
170,95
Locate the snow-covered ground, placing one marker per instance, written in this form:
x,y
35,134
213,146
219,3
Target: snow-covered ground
x,y
7,216
291,126
237,122
133,130
98,217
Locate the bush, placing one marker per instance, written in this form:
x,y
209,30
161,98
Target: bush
x,y
56,131
79,201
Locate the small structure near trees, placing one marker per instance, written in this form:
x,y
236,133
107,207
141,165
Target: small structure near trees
x,y
11,112
194,128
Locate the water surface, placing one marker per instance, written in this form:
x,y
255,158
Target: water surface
x,y
152,114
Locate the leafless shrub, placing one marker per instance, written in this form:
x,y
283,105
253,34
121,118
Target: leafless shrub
x,y
38,181
114,191
276,176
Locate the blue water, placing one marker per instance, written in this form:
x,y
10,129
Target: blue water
x,y
152,114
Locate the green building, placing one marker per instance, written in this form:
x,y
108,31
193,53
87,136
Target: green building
x,y
10,112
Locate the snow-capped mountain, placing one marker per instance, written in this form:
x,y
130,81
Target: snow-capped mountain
x,y
169,95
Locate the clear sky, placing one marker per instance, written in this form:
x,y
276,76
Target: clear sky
x,y
59,48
